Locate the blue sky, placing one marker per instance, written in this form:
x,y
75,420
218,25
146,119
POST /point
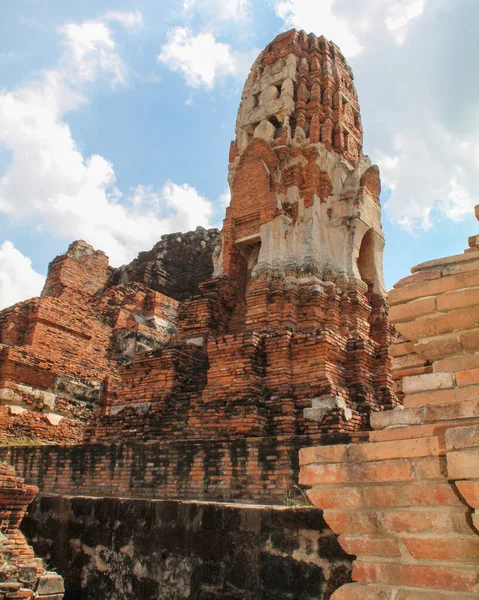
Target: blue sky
x,y
116,119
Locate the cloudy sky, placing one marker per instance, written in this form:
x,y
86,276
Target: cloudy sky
x,y
116,119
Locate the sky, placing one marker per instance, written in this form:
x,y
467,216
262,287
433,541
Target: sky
x,y
116,118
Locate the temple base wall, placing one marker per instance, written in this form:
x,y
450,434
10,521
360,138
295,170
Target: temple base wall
x,y
256,470
111,548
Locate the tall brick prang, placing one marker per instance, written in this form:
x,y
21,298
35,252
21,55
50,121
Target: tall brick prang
x,y
228,361
289,337
298,272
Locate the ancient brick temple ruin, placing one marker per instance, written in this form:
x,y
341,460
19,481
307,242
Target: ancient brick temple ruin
x,y
216,364
293,316
228,371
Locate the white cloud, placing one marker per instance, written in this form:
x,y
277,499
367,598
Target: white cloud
x,y
400,14
18,279
190,208
225,198
224,10
129,20
342,21
51,182
92,48
319,18
419,102
200,58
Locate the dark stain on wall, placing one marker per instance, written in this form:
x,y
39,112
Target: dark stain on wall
x,y
124,549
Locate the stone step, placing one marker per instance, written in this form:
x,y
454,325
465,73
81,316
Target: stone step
x,y
397,417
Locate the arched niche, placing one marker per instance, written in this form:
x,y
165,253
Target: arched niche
x,y
370,261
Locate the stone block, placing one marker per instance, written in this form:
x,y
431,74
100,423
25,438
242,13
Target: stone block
x,y
397,417
402,349
417,278
433,288
473,242
339,497
464,266
384,547
457,363
50,583
323,406
412,309
445,262
53,419
196,341
429,381
440,347
462,549
406,495
467,377
422,576
429,520
9,395
459,320
470,492
416,594
399,374
14,409
27,574
48,399
451,412
384,470
458,299
359,591
403,433
21,594
408,362
441,397
314,454
431,467
458,438
413,448
463,464
470,341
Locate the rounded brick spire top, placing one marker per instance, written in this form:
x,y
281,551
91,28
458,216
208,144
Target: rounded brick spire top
x,y
301,87
304,197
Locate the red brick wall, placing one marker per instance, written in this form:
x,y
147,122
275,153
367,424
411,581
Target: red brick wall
x,y
23,575
262,470
406,502
71,341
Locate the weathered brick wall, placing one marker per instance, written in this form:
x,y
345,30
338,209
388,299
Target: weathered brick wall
x,y
257,384
133,549
59,352
293,318
80,271
175,266
19,426
288,337
436,311
261,470
21,574
406,502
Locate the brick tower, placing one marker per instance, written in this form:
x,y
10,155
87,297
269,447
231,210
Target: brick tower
x,y
298,275
287,342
